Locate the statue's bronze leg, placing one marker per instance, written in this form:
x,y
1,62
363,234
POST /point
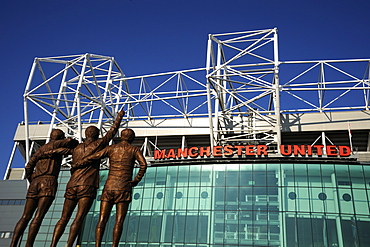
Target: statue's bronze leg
x,y
29,209
43,206
105,209
84,205
121,212
68,207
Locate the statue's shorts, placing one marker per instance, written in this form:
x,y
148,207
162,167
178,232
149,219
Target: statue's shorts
x,y
116,196
42,186
77,192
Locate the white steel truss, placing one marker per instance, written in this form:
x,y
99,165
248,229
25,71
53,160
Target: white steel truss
x,y
242,72
243,90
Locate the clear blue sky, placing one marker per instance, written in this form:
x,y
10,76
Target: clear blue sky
x,y
150,36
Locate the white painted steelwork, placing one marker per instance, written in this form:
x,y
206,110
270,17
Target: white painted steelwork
x,y
242,91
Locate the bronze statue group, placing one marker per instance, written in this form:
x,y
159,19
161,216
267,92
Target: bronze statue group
x,y
42,172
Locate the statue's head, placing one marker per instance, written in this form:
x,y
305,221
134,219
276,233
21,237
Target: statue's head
x,y
128,135
57,134
92,132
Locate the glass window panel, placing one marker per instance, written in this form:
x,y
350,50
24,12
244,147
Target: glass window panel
x,y
273,196
150,177
194,176
88,228
142,232
349,232
367,175
300,173
172,176
314,175
220,175
290,199
147,198
179,224
183,176
41,237
245,175
317,196
319,235
274,231
137,198
181,198
259,175
219,195
329,202
205,201
357,177
203,227
272,177
219,227
326,175
206,177
103,177
260,195
288,174
193,198
158,199
58,207
342,176
345,199
169,198
303,199
362,229
161,177
155,227
246,198
304,230
191,227
232,175
360,201
133,225
168,222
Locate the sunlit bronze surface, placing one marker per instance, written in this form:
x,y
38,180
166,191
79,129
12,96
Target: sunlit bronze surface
x,y
118,187
84,181
42,173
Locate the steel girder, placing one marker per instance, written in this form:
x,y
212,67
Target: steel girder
x,y
242,90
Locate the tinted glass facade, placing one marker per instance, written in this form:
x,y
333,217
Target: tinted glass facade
x,y
245,205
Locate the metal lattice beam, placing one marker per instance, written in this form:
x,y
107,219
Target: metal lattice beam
x,y
242,91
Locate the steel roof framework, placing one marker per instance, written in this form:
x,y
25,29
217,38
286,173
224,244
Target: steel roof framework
x,y
241,85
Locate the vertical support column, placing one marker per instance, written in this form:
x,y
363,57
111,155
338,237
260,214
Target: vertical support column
x,y
107,87
145,146
218,94
79,99
61,89
282,207
337,208
366,91
25,109
209,102
323,140
321,85
7,171
277,90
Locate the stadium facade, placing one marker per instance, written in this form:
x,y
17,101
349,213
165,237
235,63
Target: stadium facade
x,y
248,151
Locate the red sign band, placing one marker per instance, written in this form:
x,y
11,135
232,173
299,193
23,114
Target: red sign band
x,y
252,150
